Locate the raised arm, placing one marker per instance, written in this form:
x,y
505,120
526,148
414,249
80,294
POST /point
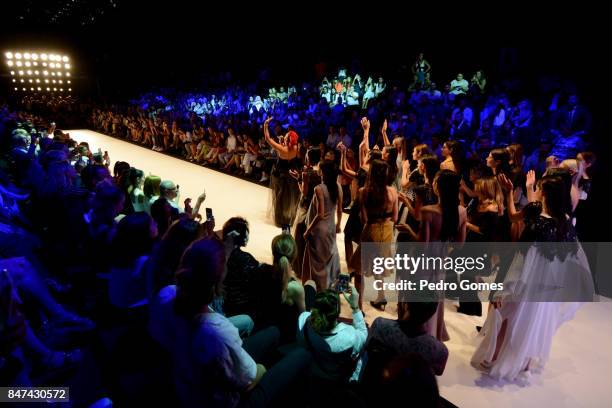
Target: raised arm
x,y
364,146
343,166
275,145
507,186
384,133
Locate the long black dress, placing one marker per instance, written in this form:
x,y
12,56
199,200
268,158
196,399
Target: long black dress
x,y
285,192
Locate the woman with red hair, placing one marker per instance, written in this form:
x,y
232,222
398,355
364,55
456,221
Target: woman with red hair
x,y
284,188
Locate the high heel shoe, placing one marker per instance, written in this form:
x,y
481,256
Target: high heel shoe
x,y
380,305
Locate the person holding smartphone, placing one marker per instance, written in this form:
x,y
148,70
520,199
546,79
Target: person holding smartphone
x,y
335,346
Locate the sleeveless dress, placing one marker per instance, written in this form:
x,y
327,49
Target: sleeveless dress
x,y
321,258
285,192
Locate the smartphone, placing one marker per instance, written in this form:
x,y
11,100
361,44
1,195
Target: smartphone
x,y
286,229
209,213
342,285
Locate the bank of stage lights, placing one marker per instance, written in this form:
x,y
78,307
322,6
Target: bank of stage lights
x,y
39,72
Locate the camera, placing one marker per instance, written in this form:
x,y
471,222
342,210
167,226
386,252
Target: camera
x,y
286,228
209,214
342,284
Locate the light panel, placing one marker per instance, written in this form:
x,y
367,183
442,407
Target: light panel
x,y
23,66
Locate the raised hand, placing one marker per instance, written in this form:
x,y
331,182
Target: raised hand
x,y
384,126
504,182
365,123
531,178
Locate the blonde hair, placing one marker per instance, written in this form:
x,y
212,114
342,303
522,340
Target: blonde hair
x,y
284,250
489,190
573,166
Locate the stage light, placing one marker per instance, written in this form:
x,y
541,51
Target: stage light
x,y
46,81
31,89
17,56
34,57
44,64
27,63
48,89
61,89
8,55
59,73
52,73
23,89
26,55
67,74
52,65
16,89
18,63
22,80
38,88
67,66
9,63
30,80
12,72
35,72
60,81
37,81
29,72
43,57
35,63
68,82
14,80
55,89
45,73
69,89
53,81
20,72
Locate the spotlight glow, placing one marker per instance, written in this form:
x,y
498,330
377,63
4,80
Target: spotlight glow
x,y
67,66
46,81
45,73
9,63
34,56
59,73
26,55
20,72
29,72
43,57
12,72
44,64
65,58
18,63
28,63
17,56
52,65
67,74
8,55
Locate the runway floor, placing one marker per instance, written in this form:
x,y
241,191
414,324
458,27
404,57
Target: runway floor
x,y
577,374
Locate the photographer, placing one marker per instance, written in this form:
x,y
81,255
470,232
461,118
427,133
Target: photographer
x,y
335,346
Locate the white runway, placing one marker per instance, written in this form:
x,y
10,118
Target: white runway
x,y
577,374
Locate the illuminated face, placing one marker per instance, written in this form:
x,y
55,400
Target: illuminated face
x,y
459,77
445,150
490,161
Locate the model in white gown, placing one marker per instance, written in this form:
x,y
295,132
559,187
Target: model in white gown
x,y
538,276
